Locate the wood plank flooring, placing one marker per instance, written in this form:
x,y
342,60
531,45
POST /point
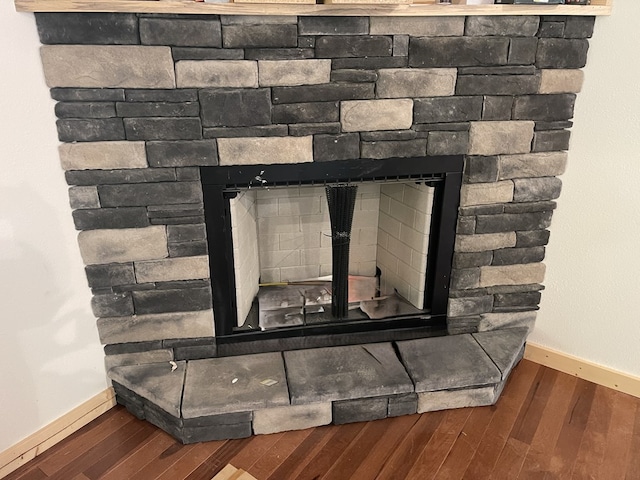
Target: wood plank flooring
x,y
546,425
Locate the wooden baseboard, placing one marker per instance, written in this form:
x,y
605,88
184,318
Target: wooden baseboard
x,y
583,369
32,446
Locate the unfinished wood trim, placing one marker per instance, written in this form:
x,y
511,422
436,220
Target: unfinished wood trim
x,y
45,438
598,7
584,369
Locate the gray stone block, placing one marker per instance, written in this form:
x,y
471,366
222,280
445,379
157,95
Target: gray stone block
x,y
110,275
473,259
294,417
394,148
448,143
508,222
513,256
353,76
480,169
248,36
200,53
333,25
551,141
122,245
316,112
255,131
427,82
323,93
161,95
401,45
157,383
90,130
406,404
465,278
163,128
532,238
497,321
436,52
150,194
551,29
185,233
508,25
465,306
353,46
87,94
466,225
369,63
180,32
544,107
342,373
94,218
165,301
418,26
234,384
443,363
448,399
257,19
138,358
158,109
522,51
360,410
345,146
447,109
111,177
561,53
87,28
497,108
182,153
235,108
85,109
497,84
579,27
83,197
528,300
304,129
278,53
185,174
112,305
533,165
536,189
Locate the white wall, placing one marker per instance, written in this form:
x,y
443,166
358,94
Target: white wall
x,y
51,357
591,307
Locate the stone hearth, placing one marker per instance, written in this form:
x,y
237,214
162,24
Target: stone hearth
x,y
145,100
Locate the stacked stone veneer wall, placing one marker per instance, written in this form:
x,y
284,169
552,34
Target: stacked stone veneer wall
x,y
143,100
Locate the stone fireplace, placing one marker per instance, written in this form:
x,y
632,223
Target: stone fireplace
x,y
147,103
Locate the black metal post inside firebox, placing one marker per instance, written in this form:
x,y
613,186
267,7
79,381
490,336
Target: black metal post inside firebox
x,y
341,200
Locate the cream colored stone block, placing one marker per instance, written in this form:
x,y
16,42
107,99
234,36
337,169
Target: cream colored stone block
x,y
485,242
265,150
417,26
123,245
102,155
171,269
418,82
486,193
295,417
495,138
561,81
217,73
272,73
107,66
512,274
544,164
372,115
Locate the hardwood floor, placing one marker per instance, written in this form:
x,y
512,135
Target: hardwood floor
x,y
546,425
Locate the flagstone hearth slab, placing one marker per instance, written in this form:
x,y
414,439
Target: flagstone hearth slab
x,y
344,373
234,384
503,346
444,363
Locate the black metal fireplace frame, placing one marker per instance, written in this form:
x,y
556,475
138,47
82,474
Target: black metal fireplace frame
x,y
220,183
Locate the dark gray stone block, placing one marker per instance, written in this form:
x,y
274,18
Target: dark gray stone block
x,y
181,32
500,289
482,210
306,42
161,95
248,36
161,419
234,384
445,363
182,284
109,177
112,305
88,28
109,275
317,112
406,404
471,293
544,107
513,256
466,225
543,206
333,25
462,325
177,210
178,300
158,109
508,25
368,63
304,129
176,220
469,302
508,222
345,146
198,53
90,130
132,402
394,148
447,109
497,84
449,127
185,233
561,125
235,107
163,128
195,353
134,347
551,141
344,373
522,51
94,218
474,259
278,53
85,110
401,45
503,346
533,238
323,93
508,70
87,94
217,420
218,432
150,194
551,29
361,410
561,53
465,278
579,27
180,154
436,51
388,135
133,287
478,169
354,46
187,173
255,131
353,76
526,300
536,189
447,143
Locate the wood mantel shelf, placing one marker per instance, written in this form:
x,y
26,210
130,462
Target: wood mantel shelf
x,y
597,7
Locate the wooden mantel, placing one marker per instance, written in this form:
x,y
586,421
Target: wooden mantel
x,y
427,8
